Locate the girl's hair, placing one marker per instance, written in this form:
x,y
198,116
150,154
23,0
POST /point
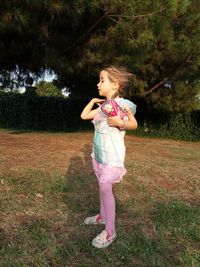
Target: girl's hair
x,y
119,75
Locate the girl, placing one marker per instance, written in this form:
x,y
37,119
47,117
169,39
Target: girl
x,y
108,147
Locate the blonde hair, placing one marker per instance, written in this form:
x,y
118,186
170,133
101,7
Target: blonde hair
x,y
119,75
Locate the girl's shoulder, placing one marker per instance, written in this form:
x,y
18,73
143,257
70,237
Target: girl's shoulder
x,y
126,102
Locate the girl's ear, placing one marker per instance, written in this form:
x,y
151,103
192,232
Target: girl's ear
x,y
115,86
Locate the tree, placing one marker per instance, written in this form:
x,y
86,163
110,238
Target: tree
x,y
47,89
159,41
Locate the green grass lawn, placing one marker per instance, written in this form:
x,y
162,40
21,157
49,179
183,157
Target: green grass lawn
x,y
47,187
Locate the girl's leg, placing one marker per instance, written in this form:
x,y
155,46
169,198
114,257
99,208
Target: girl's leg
x,y
102,208
108,203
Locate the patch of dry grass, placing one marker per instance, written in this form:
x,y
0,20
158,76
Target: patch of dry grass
x,y
47,186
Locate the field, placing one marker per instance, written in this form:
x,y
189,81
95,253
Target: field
x,y
47,188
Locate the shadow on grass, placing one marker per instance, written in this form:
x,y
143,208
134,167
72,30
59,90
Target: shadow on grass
x,y
81,186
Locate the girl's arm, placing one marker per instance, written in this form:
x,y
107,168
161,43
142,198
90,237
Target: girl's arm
x,y
130,124
88,113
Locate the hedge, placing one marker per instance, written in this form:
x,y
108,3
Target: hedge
x,y
31,112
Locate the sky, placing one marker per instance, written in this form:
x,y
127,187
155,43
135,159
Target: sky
x,y
48,77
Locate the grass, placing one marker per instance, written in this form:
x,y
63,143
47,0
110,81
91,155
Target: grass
x,y
47,187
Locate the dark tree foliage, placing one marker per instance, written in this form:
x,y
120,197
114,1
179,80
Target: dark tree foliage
x,y
158,41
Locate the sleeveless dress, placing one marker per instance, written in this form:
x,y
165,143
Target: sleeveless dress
x,y
108,152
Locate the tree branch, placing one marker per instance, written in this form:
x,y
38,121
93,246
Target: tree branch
x,y
86,33
112,18
154,88
138,16
168,78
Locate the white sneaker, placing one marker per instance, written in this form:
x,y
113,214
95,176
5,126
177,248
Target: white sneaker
x,y
94,220
103,240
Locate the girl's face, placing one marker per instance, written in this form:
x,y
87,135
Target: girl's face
x,y
105,86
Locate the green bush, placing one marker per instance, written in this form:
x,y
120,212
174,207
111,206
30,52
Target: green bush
x,y
180,126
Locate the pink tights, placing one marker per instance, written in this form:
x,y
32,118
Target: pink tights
x,y
107,206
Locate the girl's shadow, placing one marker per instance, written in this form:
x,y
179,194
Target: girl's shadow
x,y
81,188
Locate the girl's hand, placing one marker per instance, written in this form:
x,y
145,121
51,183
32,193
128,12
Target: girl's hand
x,y
130,124
115,121
88,112
98,101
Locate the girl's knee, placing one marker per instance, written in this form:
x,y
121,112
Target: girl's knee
x,y
105,188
